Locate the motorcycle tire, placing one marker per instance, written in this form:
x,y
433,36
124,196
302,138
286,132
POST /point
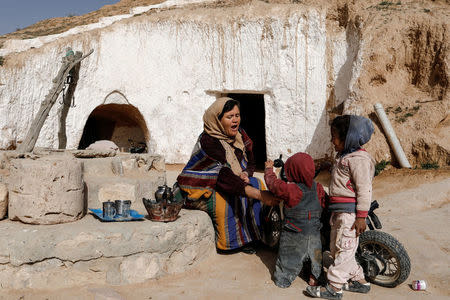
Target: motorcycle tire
x,y
384,259
271,225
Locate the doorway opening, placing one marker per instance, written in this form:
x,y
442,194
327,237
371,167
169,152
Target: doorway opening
x,y
121,123
253,120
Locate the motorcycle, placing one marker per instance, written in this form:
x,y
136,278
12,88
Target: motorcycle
x,y
383,258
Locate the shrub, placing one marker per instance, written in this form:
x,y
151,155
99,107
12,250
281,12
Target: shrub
x,y
381,166
430,165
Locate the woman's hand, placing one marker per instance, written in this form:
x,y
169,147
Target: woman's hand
x,y
265,197
244,177
269,164
359,225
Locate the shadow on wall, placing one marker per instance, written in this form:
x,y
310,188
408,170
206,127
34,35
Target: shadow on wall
x,y
340,97
121,123
321,140
341,93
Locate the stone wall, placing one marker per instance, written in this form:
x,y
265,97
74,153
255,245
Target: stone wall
x,y
47,190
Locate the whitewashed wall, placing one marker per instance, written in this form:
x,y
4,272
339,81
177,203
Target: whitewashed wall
x,y
170,69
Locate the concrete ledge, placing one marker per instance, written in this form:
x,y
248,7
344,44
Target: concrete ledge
x,y
89,251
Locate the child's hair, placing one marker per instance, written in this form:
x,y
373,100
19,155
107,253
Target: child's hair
x,y
340,125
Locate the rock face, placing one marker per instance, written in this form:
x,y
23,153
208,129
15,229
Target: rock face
x,y
283,54
89,251
47,190
3,200
123,177
103,145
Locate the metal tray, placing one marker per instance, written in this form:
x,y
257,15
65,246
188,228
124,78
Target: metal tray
x,y
134,216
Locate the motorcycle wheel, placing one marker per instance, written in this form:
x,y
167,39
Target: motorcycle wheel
x,y
390,264
271,225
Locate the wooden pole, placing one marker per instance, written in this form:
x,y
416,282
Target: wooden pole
x,y
58,85
64,109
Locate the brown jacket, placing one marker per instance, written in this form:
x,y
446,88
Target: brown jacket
x,y
351,183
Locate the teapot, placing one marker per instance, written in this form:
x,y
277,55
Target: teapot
x,y
164,194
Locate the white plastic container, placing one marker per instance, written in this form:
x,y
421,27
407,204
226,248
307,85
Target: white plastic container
x,y
419,285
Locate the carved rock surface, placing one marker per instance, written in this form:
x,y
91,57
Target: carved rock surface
x,y
92,252
47,190
124,177
3,200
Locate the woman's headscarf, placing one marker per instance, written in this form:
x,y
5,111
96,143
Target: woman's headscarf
x,y
300,168
359,132
213,127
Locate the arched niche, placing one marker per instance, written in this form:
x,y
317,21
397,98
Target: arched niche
x,y
121,123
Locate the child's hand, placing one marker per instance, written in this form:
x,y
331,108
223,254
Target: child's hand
x,y
359,225
269,164
244,176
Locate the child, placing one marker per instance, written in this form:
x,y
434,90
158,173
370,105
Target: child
x,y
303,202
350,197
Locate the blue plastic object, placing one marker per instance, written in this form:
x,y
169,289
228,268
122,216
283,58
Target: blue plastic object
x,y
134,216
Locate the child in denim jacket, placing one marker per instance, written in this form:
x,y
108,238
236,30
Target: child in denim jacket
x,y
303,203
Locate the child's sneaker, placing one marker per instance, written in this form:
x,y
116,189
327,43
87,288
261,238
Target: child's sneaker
x,y
327,293
357,287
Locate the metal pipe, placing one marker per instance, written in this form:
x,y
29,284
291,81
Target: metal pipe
x,y
393,140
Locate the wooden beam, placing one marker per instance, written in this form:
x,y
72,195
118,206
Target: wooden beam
x,y
68,63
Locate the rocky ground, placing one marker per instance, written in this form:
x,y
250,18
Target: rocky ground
x,y
415,207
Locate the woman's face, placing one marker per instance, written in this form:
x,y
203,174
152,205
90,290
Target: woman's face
x,y
338,143
231,120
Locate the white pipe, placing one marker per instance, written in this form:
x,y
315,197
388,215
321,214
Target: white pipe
x,y
393,140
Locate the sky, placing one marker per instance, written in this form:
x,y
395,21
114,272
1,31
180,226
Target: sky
x,y
16,14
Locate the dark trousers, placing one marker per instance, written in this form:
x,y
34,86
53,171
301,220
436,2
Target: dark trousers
x,y
295,248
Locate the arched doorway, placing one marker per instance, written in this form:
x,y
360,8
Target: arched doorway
x,y
121,123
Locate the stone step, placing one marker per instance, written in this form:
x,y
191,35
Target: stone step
x,y
89,251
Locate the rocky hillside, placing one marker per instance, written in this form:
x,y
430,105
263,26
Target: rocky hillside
x,y
406,68
403,64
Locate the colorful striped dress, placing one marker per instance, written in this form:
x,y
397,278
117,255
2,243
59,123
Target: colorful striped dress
x,y
212,186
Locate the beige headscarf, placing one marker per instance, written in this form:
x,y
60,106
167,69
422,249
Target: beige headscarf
x,y
213,127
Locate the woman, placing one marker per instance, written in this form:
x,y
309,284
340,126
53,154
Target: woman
x,y
218,178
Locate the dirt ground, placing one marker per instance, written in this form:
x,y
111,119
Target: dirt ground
x,y
414,209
